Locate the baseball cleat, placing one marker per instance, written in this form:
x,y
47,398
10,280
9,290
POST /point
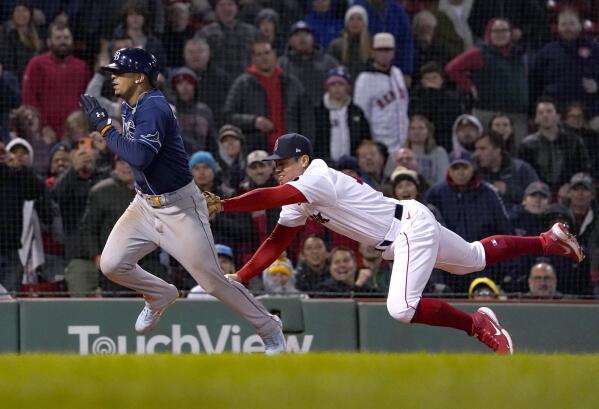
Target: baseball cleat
x,y
559,241
488,331
274,343
149,317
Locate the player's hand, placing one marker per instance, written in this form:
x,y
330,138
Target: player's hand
x,y
97,116
213,203
233,277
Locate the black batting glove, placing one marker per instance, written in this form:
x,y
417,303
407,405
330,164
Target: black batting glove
x,y
96,115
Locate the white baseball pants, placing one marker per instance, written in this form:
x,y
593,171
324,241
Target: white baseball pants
x,y
421,245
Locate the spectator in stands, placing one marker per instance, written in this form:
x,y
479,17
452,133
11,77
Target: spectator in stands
x,y
195,118
177,32
407,158
10,98
427,49
266,102
135,25
379,270
389,16
229,38
349,165
495,75
352,47
54,80
383,96
432,98
71,192
503,125
60,162
213,80
227,265
408,184
432,159
542,282
226,228
372,159
25,123
312,268
344,276
529,19
555,154
471,208
567,69
19,40
268,24
76,127
325,21
278,278
528,218
465,132
510,176
458,12
107,201
18,184
575,121
483,289
582,204
231,155
306,61
340,124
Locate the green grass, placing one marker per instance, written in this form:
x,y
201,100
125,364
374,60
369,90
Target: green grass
x,y
336,381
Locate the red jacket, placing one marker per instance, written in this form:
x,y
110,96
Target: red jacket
x,y
53,87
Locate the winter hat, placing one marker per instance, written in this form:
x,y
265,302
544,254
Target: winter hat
x,y
20,142
205,158
357,9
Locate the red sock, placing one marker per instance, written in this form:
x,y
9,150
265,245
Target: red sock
x,y
432,311
501,248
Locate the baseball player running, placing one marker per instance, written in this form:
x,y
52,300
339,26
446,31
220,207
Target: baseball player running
x,y
168,211
404,231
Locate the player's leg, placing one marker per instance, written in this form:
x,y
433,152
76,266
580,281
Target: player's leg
x,y
197,255
132,237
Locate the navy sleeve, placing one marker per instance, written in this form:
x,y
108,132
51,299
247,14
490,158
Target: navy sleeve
x,y
146,140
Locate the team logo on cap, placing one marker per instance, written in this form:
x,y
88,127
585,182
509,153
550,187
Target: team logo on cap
x,y
277,144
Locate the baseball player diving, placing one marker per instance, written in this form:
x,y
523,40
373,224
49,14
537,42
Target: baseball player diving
x,y
404,231
169,210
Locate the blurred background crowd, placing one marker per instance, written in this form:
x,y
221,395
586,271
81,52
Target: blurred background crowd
x,y
485,110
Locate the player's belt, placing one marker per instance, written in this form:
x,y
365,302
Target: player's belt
x,y
382,246
158,201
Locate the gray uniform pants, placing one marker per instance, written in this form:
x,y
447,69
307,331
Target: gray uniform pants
x,y
180,227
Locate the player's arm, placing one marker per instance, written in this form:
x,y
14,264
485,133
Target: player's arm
x,y
139,151
264,198
273,246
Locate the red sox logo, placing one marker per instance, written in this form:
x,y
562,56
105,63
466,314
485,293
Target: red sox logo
x,y
319,218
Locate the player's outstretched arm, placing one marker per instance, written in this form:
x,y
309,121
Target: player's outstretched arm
x,y
273,246
264,198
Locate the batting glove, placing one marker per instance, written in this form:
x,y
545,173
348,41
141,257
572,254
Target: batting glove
x,y
97,116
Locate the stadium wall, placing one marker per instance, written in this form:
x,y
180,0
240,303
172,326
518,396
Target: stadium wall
x,y
106,326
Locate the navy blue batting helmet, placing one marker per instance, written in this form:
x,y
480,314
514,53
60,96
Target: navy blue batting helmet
x,y
133,60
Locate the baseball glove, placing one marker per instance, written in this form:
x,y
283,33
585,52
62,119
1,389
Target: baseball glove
x,y
213,203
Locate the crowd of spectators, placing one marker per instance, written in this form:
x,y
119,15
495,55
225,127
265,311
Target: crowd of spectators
x,y
487,111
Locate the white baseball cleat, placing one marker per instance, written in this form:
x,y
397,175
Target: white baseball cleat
x,y
149,317
274,343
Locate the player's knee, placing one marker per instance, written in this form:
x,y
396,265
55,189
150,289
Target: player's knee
x,y
400,312
111,266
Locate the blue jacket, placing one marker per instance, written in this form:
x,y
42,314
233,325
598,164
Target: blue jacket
x,y
326,26
473,214
396,21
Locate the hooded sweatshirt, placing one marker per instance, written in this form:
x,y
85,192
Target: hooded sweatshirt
x,y
457,146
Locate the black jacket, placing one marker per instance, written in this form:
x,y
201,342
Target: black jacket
x,y
359,129
247,100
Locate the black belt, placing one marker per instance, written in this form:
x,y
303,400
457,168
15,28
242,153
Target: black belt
x,y
382,246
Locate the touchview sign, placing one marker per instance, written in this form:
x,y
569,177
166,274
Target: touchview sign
x,y
227,339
